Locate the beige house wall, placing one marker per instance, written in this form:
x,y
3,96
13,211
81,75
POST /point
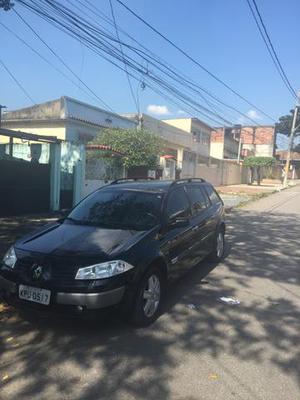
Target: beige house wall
x,y
58,131
223,173
181,123
198,132
260,150
217,150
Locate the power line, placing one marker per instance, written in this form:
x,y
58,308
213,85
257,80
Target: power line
x,y
182,79
186,83
62,61
118,41
193,59
46,60
75,21
17,82
90,41
125,66
87,33
271,50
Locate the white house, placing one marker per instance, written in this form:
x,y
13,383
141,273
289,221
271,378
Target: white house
x,y
66,118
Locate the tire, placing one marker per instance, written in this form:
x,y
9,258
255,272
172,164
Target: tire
x,y
146,310
219,246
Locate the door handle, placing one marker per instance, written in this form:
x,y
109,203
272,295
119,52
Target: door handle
x,y
195,228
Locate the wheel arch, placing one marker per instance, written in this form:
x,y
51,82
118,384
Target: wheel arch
x,y
159,262
222,227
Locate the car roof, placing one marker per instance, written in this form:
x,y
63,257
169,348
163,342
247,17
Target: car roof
x,y
149,185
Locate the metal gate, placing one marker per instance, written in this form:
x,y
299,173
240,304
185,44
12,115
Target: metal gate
x,y
24,187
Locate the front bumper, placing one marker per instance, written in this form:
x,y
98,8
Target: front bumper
x,y
87,300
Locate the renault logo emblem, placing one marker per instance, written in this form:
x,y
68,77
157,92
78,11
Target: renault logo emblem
x,y
37,271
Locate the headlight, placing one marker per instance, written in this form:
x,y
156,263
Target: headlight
x,y
103,270
10,258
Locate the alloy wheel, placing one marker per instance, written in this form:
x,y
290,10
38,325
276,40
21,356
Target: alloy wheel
x,y
151,296
220,244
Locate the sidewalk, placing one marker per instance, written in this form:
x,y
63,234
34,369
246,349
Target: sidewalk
x,y
234,195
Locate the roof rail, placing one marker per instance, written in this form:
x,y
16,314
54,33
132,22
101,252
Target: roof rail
x,y
121,180
187,180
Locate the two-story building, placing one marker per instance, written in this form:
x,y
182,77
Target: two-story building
x,y
226,142
258,140
187,142
198,131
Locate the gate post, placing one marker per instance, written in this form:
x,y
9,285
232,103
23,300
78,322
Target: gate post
x,y
55,158
79,176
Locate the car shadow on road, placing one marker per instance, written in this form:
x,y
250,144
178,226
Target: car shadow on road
x,y
65,358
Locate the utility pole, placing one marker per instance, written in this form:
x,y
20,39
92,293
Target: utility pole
x,y
240,148
291,140
237,132
140,121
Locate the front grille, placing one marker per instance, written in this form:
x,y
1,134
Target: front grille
x,y
55,271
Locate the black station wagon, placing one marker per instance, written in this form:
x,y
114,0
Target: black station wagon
x,y
118,246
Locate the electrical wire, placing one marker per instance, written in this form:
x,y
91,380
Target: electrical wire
x,y
193,60
180,77
269,45
86,32
17,82
46,60
62,61
91,39
71,18
125,66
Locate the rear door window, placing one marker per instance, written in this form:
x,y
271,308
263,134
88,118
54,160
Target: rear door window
x,y
178,203
199,199
213,195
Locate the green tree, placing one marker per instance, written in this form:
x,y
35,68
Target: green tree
x,y
256,164
284,124
139,147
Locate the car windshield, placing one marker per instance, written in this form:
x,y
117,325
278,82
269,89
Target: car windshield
x,y
119,209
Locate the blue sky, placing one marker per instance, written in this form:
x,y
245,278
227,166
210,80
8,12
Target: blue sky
x,y
220,34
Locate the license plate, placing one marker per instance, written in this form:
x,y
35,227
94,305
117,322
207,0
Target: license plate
x,y
41,296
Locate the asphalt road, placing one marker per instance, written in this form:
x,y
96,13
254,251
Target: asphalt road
x,y
213,351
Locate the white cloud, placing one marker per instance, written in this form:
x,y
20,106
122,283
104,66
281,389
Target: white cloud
x,y
253,114
181,112
158,110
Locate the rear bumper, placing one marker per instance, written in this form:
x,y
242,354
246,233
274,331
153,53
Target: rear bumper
x,y
87,300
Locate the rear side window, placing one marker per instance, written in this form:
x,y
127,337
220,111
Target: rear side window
x,y
178,203
198,199
213,195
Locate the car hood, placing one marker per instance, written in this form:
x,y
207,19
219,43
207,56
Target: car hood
x,y
70,239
